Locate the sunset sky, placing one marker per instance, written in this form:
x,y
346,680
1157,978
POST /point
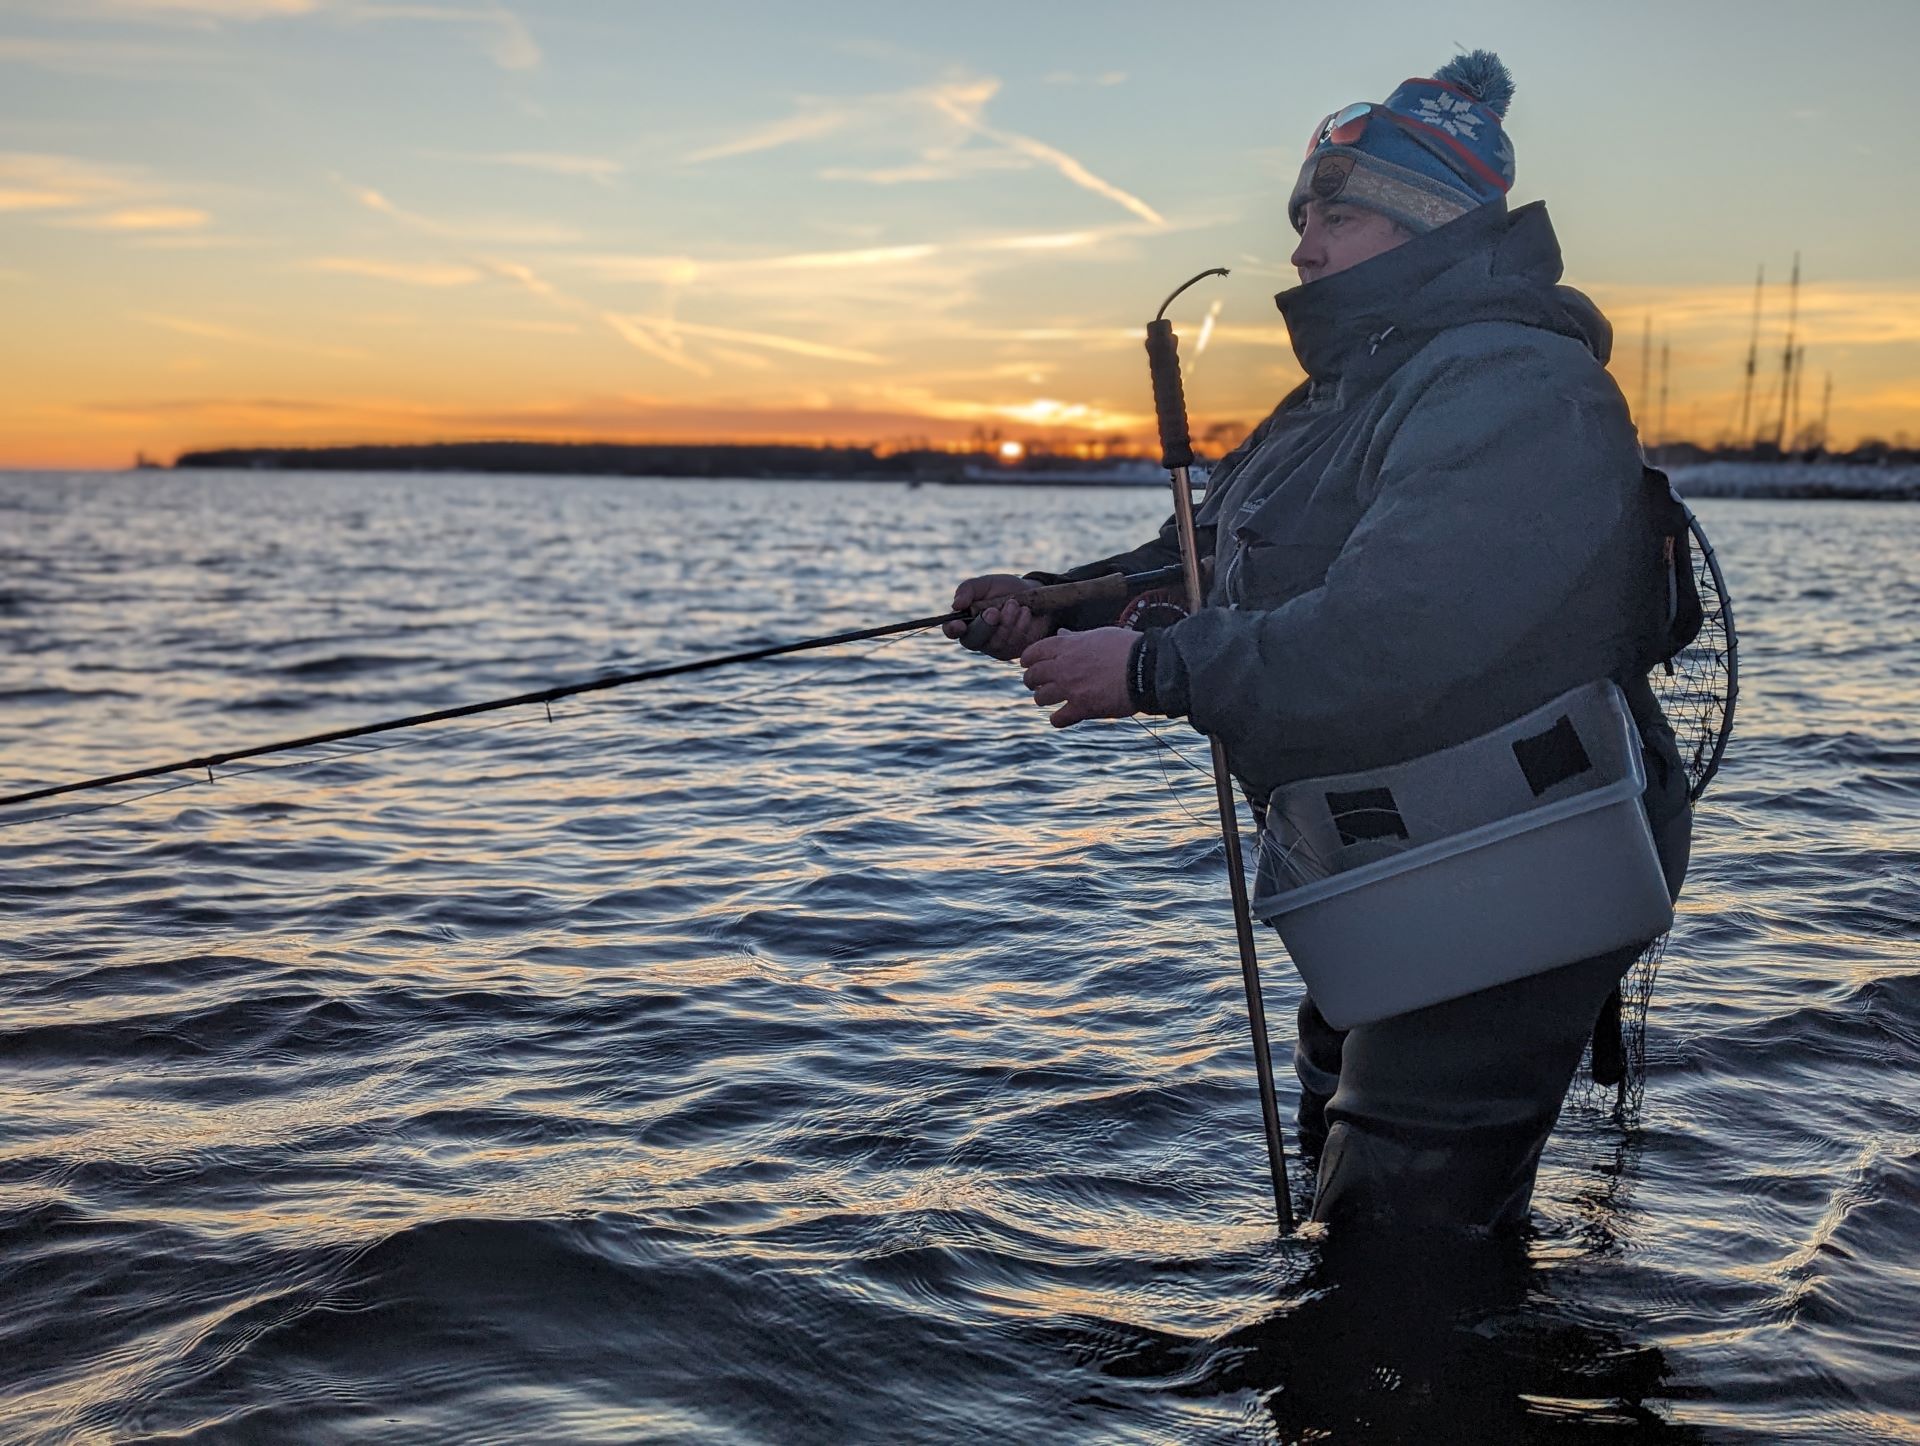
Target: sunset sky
x,y
307,221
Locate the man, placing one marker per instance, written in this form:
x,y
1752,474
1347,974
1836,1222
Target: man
x,y
1445,527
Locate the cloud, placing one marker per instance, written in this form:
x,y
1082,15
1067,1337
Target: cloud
x,y
826,260
1831,314
937,164
374,201
1082,337
967,104
20,198
795,346
642,339
90,196
39,181
194,241
221,410
142,218
98,56
660,337
502,34
856,417
876,299
498,231
511,44
197,9
814,122
960,105
203,330
1049,413
599,169
534,328
406,273
681,270
750,360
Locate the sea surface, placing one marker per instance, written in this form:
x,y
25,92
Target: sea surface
x,y
827,1050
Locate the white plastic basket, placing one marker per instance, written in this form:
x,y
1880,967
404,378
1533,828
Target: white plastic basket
x,y
1460,902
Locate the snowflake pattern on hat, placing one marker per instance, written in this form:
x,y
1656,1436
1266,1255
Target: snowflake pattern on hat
x,y
1452,114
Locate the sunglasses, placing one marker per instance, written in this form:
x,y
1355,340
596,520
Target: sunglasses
x,y
1346,125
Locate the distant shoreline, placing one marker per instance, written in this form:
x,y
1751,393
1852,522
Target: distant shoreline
x,y
1797,481
614,459
1892,478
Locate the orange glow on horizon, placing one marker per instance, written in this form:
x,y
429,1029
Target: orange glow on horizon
x,y
904,249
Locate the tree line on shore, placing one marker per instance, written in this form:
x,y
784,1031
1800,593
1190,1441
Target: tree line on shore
x,y
758,460
616,459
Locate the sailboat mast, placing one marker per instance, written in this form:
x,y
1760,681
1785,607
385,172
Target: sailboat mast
x,y
1799,371
1753,362
1646,355
1665,350
1786,360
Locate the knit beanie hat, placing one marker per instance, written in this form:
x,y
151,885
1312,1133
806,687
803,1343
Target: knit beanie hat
x,y
1432,152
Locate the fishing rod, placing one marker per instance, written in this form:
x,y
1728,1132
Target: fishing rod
x,y
1176,455
1053,598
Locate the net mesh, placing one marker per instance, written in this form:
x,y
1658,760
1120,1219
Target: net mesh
x,y
1697,691
1698,687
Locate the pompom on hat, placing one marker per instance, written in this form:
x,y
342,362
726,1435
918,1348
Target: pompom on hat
x,y
1434,150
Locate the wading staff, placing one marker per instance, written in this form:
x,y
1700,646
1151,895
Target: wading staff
x,y
1176,455
1111,587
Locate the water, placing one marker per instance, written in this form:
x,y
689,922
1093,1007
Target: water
x,y
828,1050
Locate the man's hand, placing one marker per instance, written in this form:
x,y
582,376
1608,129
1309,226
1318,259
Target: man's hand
x,y
1086,673
1004,630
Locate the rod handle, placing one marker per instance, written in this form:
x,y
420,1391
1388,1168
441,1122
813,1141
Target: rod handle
x,y
1169,396
1114,587
1059,596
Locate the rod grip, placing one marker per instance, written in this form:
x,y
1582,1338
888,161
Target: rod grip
x,y
1169,397
1058,596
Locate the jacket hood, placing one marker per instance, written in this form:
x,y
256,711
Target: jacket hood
x,y
1491,264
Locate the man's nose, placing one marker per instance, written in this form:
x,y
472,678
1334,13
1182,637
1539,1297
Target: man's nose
x,y
1306,254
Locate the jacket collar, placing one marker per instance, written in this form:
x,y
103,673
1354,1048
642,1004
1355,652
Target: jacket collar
x,y
1489,264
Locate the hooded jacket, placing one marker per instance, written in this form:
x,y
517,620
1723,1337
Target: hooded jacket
x,y
1444,527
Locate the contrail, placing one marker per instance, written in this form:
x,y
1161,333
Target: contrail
x,y
760,338
654,335
1066,165
1206,329
805,127
636,336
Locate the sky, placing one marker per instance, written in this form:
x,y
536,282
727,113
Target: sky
x,y
280,222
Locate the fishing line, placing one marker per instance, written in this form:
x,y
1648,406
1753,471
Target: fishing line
x,y
546,696
1053,597
233,773
344,748
1166,777
1269,850
821,670
83,808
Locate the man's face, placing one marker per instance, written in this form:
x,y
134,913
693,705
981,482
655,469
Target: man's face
x,y
1337,236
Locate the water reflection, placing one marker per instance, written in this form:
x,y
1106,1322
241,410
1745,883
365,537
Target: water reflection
x,y
1425,1338
835,1052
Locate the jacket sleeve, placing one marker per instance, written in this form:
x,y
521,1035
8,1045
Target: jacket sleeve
x,y
1499,489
